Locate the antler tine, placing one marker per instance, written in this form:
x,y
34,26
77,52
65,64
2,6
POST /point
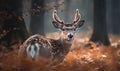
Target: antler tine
x,y
77,17
56,18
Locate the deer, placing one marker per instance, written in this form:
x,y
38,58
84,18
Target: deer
x,y
38,45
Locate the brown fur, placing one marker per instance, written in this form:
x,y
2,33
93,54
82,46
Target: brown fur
x,y
55,48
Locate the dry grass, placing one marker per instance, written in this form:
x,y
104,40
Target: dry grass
x,y
80,58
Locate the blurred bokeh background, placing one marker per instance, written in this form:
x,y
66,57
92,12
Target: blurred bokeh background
x,y
101,17
66,10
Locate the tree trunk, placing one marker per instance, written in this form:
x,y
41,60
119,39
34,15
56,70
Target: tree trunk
x,y
12,26
100,30
37,19
26,9
116,17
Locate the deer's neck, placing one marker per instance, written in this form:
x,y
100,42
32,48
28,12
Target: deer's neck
x,y
66,44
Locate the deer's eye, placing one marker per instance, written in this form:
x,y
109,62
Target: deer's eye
x,y
64,32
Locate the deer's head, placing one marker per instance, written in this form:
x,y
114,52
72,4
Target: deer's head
x,y
67,30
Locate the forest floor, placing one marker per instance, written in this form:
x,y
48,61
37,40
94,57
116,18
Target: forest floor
x,y
80,58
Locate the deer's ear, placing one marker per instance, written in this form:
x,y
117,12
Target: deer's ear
x,y
57,25
79,24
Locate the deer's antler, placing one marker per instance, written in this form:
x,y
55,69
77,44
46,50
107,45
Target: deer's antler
x,y
77,17
56,18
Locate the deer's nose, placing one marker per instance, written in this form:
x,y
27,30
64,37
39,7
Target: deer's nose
x,y
70,35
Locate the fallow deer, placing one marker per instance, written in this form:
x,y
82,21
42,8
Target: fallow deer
x,y
38,45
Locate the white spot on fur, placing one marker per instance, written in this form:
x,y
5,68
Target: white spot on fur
x,y
32,52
